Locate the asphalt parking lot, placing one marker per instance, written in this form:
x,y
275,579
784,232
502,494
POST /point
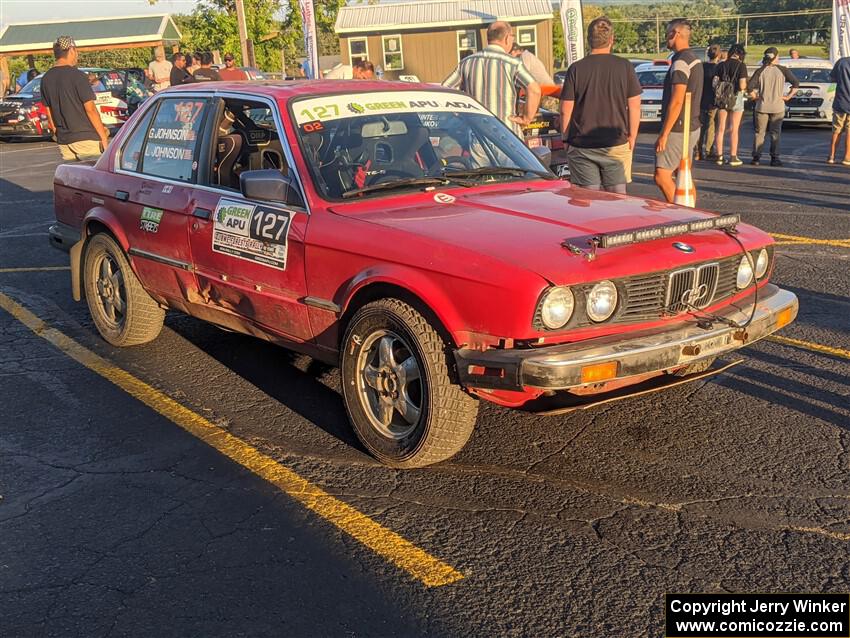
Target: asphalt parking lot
x,y
207,484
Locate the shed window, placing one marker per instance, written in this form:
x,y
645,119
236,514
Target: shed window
x,y
467,43
526,37
358,49
393,56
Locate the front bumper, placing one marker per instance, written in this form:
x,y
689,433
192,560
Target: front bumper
x,y
562,367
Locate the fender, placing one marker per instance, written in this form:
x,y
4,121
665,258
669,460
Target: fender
x,y
107,218
421,286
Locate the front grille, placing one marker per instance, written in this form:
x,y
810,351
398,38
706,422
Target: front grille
x,y
649,297
809,102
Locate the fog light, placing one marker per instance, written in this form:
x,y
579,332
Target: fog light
x,y
599,372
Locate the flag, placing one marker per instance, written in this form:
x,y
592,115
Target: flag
x,y
311,45
840,43
574,30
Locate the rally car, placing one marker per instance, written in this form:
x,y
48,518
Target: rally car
x,y
814,98
405,234
23,114
651,77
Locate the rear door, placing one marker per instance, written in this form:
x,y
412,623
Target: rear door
x,y
155,192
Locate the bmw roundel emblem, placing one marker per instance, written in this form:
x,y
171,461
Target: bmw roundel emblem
x,y
685,248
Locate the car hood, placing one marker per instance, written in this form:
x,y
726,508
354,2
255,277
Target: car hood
x,y
526,224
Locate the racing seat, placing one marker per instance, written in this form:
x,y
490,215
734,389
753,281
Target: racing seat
x,y
228,149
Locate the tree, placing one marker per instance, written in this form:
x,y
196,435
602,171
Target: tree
x,y
785,28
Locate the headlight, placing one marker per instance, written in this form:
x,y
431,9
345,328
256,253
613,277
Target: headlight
x,y
602,301
557,308
745,273
762,263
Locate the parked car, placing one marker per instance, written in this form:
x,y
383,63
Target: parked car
x,y
814,98
651,77
545,131
252,72
24,115
404,233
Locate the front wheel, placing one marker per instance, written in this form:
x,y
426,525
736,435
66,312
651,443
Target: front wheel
x,y
124,313
404,407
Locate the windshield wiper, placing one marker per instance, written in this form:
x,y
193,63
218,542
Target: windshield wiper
x,y
405,182
488,171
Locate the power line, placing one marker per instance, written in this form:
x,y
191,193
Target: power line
x,y
735,16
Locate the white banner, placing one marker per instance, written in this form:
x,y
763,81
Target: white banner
x,y
574,30
311,45
840,43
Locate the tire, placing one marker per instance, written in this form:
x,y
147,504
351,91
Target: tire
x,y
430,417
124,313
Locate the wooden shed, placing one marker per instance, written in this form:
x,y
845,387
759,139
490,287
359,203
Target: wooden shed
x,y
428,38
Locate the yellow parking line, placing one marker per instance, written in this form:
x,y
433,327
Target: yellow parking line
x,y
402,553
34,269
796,239
808,345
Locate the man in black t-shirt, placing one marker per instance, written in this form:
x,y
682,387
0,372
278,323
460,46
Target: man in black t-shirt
x,y
179,75
206,72
684,76
71,112
707,110
600,114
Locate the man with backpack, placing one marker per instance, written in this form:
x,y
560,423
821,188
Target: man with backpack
x,y
768,86
729,85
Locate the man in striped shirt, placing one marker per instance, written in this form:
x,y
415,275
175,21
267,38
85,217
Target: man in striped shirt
x,y
494,78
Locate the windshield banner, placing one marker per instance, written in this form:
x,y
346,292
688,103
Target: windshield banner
x,y
336,107
840,43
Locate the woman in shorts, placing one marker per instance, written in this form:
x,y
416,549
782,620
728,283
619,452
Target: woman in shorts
x,y
732,71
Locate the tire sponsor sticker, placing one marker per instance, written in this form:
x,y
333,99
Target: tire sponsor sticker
x,y
252,232
150,219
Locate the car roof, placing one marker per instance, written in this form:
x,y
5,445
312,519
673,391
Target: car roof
x,y
658,65
813,63
288,89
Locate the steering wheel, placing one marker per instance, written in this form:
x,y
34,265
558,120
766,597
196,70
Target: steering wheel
x,y
455,160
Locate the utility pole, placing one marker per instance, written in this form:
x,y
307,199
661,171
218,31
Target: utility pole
x,y
243,33
746,34
738,30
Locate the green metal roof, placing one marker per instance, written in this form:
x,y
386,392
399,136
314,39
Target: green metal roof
x,y
89,33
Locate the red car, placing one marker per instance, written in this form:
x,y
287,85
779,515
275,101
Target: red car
x,y
405,234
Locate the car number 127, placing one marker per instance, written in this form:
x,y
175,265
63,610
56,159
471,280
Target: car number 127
x,y
269,226
320,112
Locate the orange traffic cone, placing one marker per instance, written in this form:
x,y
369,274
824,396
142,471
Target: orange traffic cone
x,y
686,192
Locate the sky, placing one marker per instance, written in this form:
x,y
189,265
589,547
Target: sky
x,y
37,10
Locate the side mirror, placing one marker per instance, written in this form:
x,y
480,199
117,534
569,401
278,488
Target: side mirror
x,y
544,154
270,185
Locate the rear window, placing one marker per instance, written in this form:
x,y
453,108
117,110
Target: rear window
x,y
652,78
171,144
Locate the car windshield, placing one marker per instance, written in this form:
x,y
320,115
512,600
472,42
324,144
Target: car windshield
x,y
33,87
811,75
654,77
356,141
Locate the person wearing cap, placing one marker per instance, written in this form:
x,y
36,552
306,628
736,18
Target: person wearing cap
x,y
767,86
159,70
71,112
230,72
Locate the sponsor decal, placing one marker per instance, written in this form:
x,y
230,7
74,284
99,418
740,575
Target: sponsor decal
x,y
324,109
150,219
354,107
251,232
444,198
167,188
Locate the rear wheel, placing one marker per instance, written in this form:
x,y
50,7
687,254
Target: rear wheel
x,y
124,313
401,401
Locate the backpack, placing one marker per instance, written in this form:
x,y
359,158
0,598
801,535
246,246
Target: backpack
x,y
725,92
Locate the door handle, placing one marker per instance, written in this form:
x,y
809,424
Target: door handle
x,y
202,213
122,196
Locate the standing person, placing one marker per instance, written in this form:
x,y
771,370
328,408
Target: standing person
x,y
360,70
768,85
230,72
708,112
600,113
534,64
179,74
24,78
729,90
794,54
684,76
495,79
841,109
71,112
160,70
205,72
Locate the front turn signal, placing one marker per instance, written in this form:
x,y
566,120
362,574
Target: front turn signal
x,y
599,372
